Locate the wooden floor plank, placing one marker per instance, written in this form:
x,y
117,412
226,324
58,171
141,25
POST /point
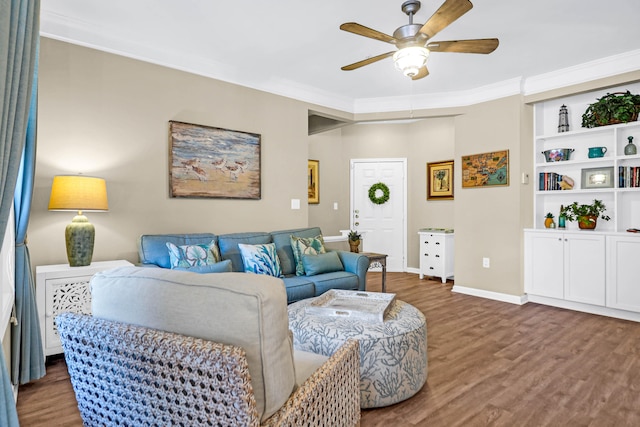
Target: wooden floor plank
x,y
490,364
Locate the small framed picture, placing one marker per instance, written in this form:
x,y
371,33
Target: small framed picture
x,y
597,178
440,180
313,182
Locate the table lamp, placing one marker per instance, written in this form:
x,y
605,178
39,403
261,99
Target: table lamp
x,y
79,193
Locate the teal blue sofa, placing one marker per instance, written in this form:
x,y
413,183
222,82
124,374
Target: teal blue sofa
x,y
152,251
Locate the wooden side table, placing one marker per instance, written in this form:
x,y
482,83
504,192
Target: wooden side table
x,y
378,260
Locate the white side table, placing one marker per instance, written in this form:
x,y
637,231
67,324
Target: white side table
x,y
436,253
61,288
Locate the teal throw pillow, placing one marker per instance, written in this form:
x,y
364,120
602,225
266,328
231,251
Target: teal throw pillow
x,y
321,263
261,259
193,255
308,246
218,267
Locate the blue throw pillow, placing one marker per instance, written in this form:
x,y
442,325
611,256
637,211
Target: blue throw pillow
x,y
218,267
261,259
321,263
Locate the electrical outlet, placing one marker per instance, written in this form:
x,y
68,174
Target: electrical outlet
x,y
486,263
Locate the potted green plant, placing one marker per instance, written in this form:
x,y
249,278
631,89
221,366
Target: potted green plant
x,y
354,240
617,107
586,215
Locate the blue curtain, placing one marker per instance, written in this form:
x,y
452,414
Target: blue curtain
x,y
27,357
19,28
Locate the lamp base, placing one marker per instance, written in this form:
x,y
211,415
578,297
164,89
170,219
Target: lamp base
x,y
80,236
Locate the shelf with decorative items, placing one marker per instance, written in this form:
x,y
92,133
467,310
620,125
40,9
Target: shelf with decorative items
x,y
586,164
578,169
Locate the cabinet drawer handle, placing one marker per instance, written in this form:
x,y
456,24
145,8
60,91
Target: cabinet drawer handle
x,y
430,268
426,254
437,256
426,242
437,243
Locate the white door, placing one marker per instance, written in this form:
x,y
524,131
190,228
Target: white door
x,y
383,225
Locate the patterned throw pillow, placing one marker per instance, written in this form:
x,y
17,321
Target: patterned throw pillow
x,y
308,246
261,259
193,255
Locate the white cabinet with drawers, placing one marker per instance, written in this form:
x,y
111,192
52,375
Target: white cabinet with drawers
x,y
436,254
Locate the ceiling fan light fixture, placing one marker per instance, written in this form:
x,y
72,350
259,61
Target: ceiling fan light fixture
x,y
411,59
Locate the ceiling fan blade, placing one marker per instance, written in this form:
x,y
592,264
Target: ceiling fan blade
x,y
361,30
465,46
422,73
367,61
445,15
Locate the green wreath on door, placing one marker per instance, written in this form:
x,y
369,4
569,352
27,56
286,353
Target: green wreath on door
x,y
373,193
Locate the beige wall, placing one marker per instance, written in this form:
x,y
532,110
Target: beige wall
x,y
488,219
106,115
423,141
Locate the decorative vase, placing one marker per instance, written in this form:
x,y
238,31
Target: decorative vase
x,y
630,149
587,222
354,246
561,218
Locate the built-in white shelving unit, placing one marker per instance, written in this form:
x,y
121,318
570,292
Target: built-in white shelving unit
x,y
623,204
589,270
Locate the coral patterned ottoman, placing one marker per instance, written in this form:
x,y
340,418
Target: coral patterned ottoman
x,y
393,354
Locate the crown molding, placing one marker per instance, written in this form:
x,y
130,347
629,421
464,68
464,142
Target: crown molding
x,y
582,73
59,27
439,100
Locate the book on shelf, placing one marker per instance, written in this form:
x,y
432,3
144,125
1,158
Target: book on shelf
x,y
550,181
628,176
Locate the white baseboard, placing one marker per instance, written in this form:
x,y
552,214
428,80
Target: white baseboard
x,y
523,299
586,308
513,299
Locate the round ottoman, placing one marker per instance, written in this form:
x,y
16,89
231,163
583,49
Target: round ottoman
x,y
393,353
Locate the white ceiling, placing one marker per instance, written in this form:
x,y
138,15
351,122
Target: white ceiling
x,y
295,48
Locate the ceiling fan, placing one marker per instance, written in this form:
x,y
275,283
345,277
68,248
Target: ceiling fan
x,y
413,40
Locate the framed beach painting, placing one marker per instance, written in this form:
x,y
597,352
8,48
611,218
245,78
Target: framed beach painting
x,y
313,182
440,180
211,162
486,169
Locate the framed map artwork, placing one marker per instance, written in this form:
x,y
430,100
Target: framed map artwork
x,y
486,169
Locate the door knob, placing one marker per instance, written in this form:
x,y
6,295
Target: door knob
x,y
357,224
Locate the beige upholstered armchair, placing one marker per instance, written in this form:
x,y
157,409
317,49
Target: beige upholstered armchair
x,y
178,348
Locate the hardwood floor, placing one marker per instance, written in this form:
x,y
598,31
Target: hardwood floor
x,y
490,363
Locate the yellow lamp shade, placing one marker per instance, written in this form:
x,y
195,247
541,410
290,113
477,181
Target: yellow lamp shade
x,y
78,193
